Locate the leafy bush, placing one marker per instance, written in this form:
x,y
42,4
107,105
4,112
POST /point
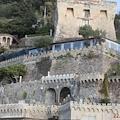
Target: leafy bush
x,y
12,71
25,95
34,92
68,55
106,100
43,42
2,50
34,35
92,55
15,95
86,31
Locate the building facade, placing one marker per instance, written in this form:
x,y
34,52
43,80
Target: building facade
x,y
70,15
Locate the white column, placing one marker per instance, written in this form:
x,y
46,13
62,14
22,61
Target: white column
x,y
20,79
71,45
48,73
62,46
81,44
1,40
11,39
91,43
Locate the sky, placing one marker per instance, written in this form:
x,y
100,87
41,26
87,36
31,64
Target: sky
x,y
118,5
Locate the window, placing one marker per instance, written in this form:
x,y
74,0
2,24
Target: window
x,y
69,13
85,22
86,13
103,13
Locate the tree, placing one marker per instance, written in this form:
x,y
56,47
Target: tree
x,y
86,31
23,17
43,42
12,71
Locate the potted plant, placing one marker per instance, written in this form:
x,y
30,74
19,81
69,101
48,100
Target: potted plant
x,y
103,42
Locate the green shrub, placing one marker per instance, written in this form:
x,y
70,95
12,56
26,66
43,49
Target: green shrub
x,y
25,95
68,55
34,92
12,71
92,55
16,95
106,100
34,35
102,40
2,50
43,42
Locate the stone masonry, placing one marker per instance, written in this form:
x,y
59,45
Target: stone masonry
x,y
70,15
66,62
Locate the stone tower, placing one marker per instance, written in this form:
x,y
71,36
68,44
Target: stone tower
x,y
70,15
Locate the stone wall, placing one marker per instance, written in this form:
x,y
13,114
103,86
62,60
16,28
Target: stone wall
x,y
23,111
76,110
39,92
50,89
70,17
71,110
29,41
66,62
80,61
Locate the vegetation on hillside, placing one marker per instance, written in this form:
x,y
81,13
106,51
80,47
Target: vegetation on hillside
x,y
13,71
2,50
23,17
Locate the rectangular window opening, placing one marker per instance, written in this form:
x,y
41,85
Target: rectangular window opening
x,y
103,13
86,13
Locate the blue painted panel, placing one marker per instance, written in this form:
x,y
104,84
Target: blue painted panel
x,y
67,46
77,44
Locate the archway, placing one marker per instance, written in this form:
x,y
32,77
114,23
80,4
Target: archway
x,y
64,93
50,97
8,41
4,40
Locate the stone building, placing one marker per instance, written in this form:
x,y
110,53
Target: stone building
x,y
6,40
70,15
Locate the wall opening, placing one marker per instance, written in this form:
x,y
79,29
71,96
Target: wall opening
x,y
64,94
50,97
86,13
85,22
8,41
103,14
69,13
4,40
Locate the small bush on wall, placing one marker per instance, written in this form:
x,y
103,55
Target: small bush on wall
x,y
25,95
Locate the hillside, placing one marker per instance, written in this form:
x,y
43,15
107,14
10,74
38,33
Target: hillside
x,y
23,17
